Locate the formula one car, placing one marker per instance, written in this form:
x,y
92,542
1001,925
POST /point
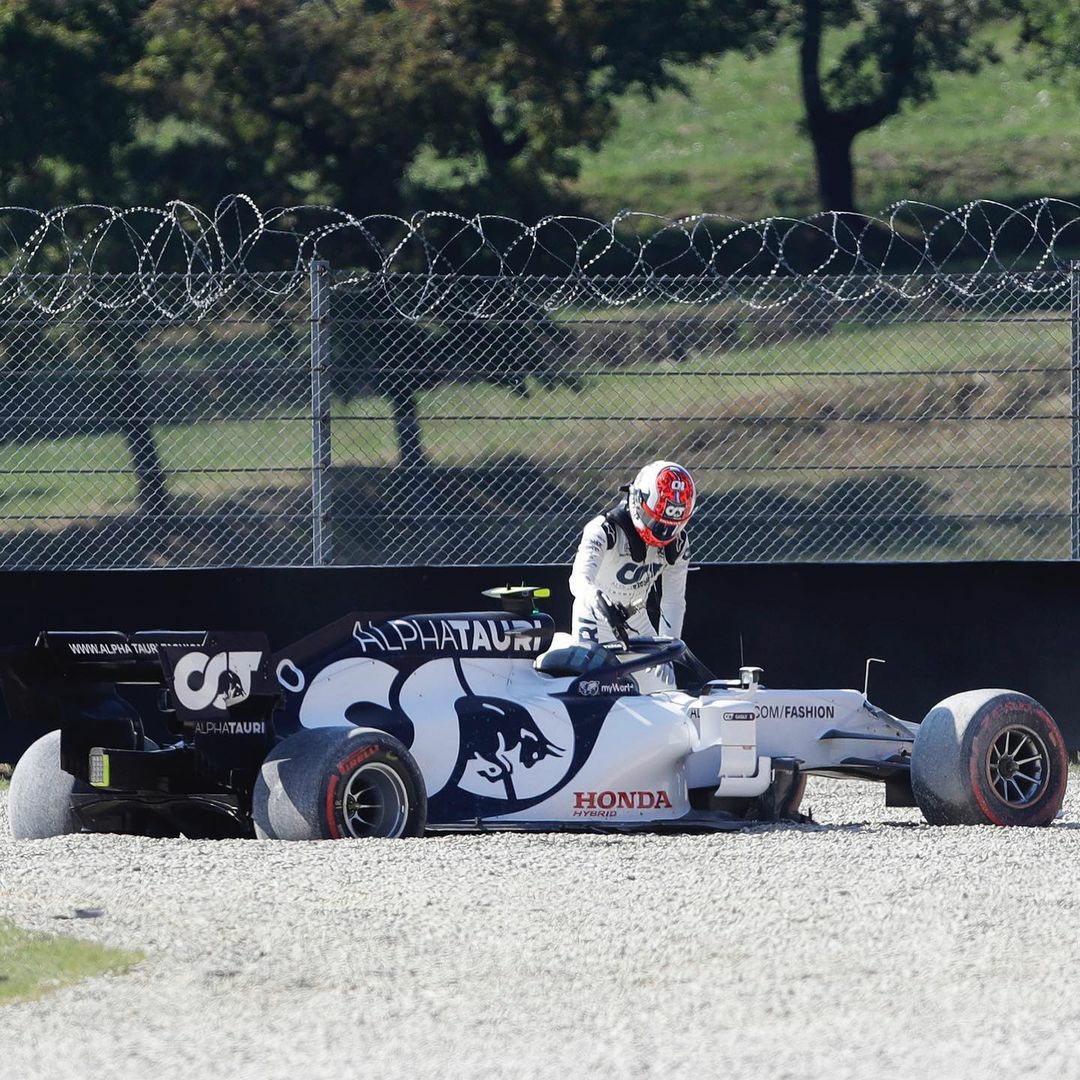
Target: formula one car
x,y
390,726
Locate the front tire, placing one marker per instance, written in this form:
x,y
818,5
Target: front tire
x,y
989,757
339,783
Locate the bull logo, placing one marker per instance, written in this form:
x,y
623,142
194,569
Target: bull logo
x,y
499,739
465,735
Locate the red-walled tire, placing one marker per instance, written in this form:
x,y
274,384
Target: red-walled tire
x,y
989,757
337,783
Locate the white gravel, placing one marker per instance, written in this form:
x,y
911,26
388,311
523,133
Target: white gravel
x,y
865,946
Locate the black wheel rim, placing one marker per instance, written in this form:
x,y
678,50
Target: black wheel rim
x,y
375,802
1018,766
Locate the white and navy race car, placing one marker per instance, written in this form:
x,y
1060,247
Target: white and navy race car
x,y
391,726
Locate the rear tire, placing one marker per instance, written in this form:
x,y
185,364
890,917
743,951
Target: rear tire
x,y
989,757
39,800
337,783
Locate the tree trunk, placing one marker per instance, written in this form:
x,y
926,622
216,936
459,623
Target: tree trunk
x,y
833,130
835,170
498,151
149,475
407,429
138,432
831,135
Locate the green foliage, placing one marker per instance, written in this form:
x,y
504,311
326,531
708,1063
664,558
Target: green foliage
x,y
1053,29
284,99
896,48
297,100
894,51
63,112
541,77
733,146
381,106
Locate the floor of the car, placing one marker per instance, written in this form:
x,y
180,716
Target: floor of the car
x,y
694,821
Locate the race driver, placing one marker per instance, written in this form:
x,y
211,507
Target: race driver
x,y
625,552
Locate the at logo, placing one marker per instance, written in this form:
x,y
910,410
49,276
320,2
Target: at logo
x,y
631,573
203,682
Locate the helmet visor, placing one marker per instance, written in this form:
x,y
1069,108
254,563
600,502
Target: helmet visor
x,y
668,523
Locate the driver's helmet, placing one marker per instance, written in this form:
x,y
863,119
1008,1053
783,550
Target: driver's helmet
x,y
661,502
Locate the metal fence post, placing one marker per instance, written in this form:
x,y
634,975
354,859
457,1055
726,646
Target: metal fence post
x,y
321,538
1074,381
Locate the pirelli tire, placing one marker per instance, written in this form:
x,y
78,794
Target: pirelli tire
x,y
39,800
338,783
989,757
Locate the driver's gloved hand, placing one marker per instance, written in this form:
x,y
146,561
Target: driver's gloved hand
x,y
614,613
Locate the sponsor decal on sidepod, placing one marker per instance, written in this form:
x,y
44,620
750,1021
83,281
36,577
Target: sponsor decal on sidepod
x,y
230,727
594,688
607,803
796,712
444,635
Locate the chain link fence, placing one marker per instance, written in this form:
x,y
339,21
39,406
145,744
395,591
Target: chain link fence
x,y
476,420
134,435
219,416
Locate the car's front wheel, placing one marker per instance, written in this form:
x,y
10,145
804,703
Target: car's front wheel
x,y
989,757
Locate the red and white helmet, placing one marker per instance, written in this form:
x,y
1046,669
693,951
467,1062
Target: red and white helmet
x,y
661,502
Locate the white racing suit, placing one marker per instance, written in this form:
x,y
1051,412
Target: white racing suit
x,y
614,560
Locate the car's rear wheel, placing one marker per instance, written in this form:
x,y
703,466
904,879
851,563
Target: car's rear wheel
x,y
989,757
339,783
39,800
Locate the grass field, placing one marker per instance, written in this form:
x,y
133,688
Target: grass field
x,y
91,474
772,418
35,964
479,424
769,414
734,146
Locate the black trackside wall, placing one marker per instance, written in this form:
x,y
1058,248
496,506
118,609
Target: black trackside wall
x,y
941,628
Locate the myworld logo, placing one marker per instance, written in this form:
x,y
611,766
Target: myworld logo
x,y
595,688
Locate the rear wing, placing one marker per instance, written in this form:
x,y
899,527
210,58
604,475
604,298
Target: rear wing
x,y
69,678
109,655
